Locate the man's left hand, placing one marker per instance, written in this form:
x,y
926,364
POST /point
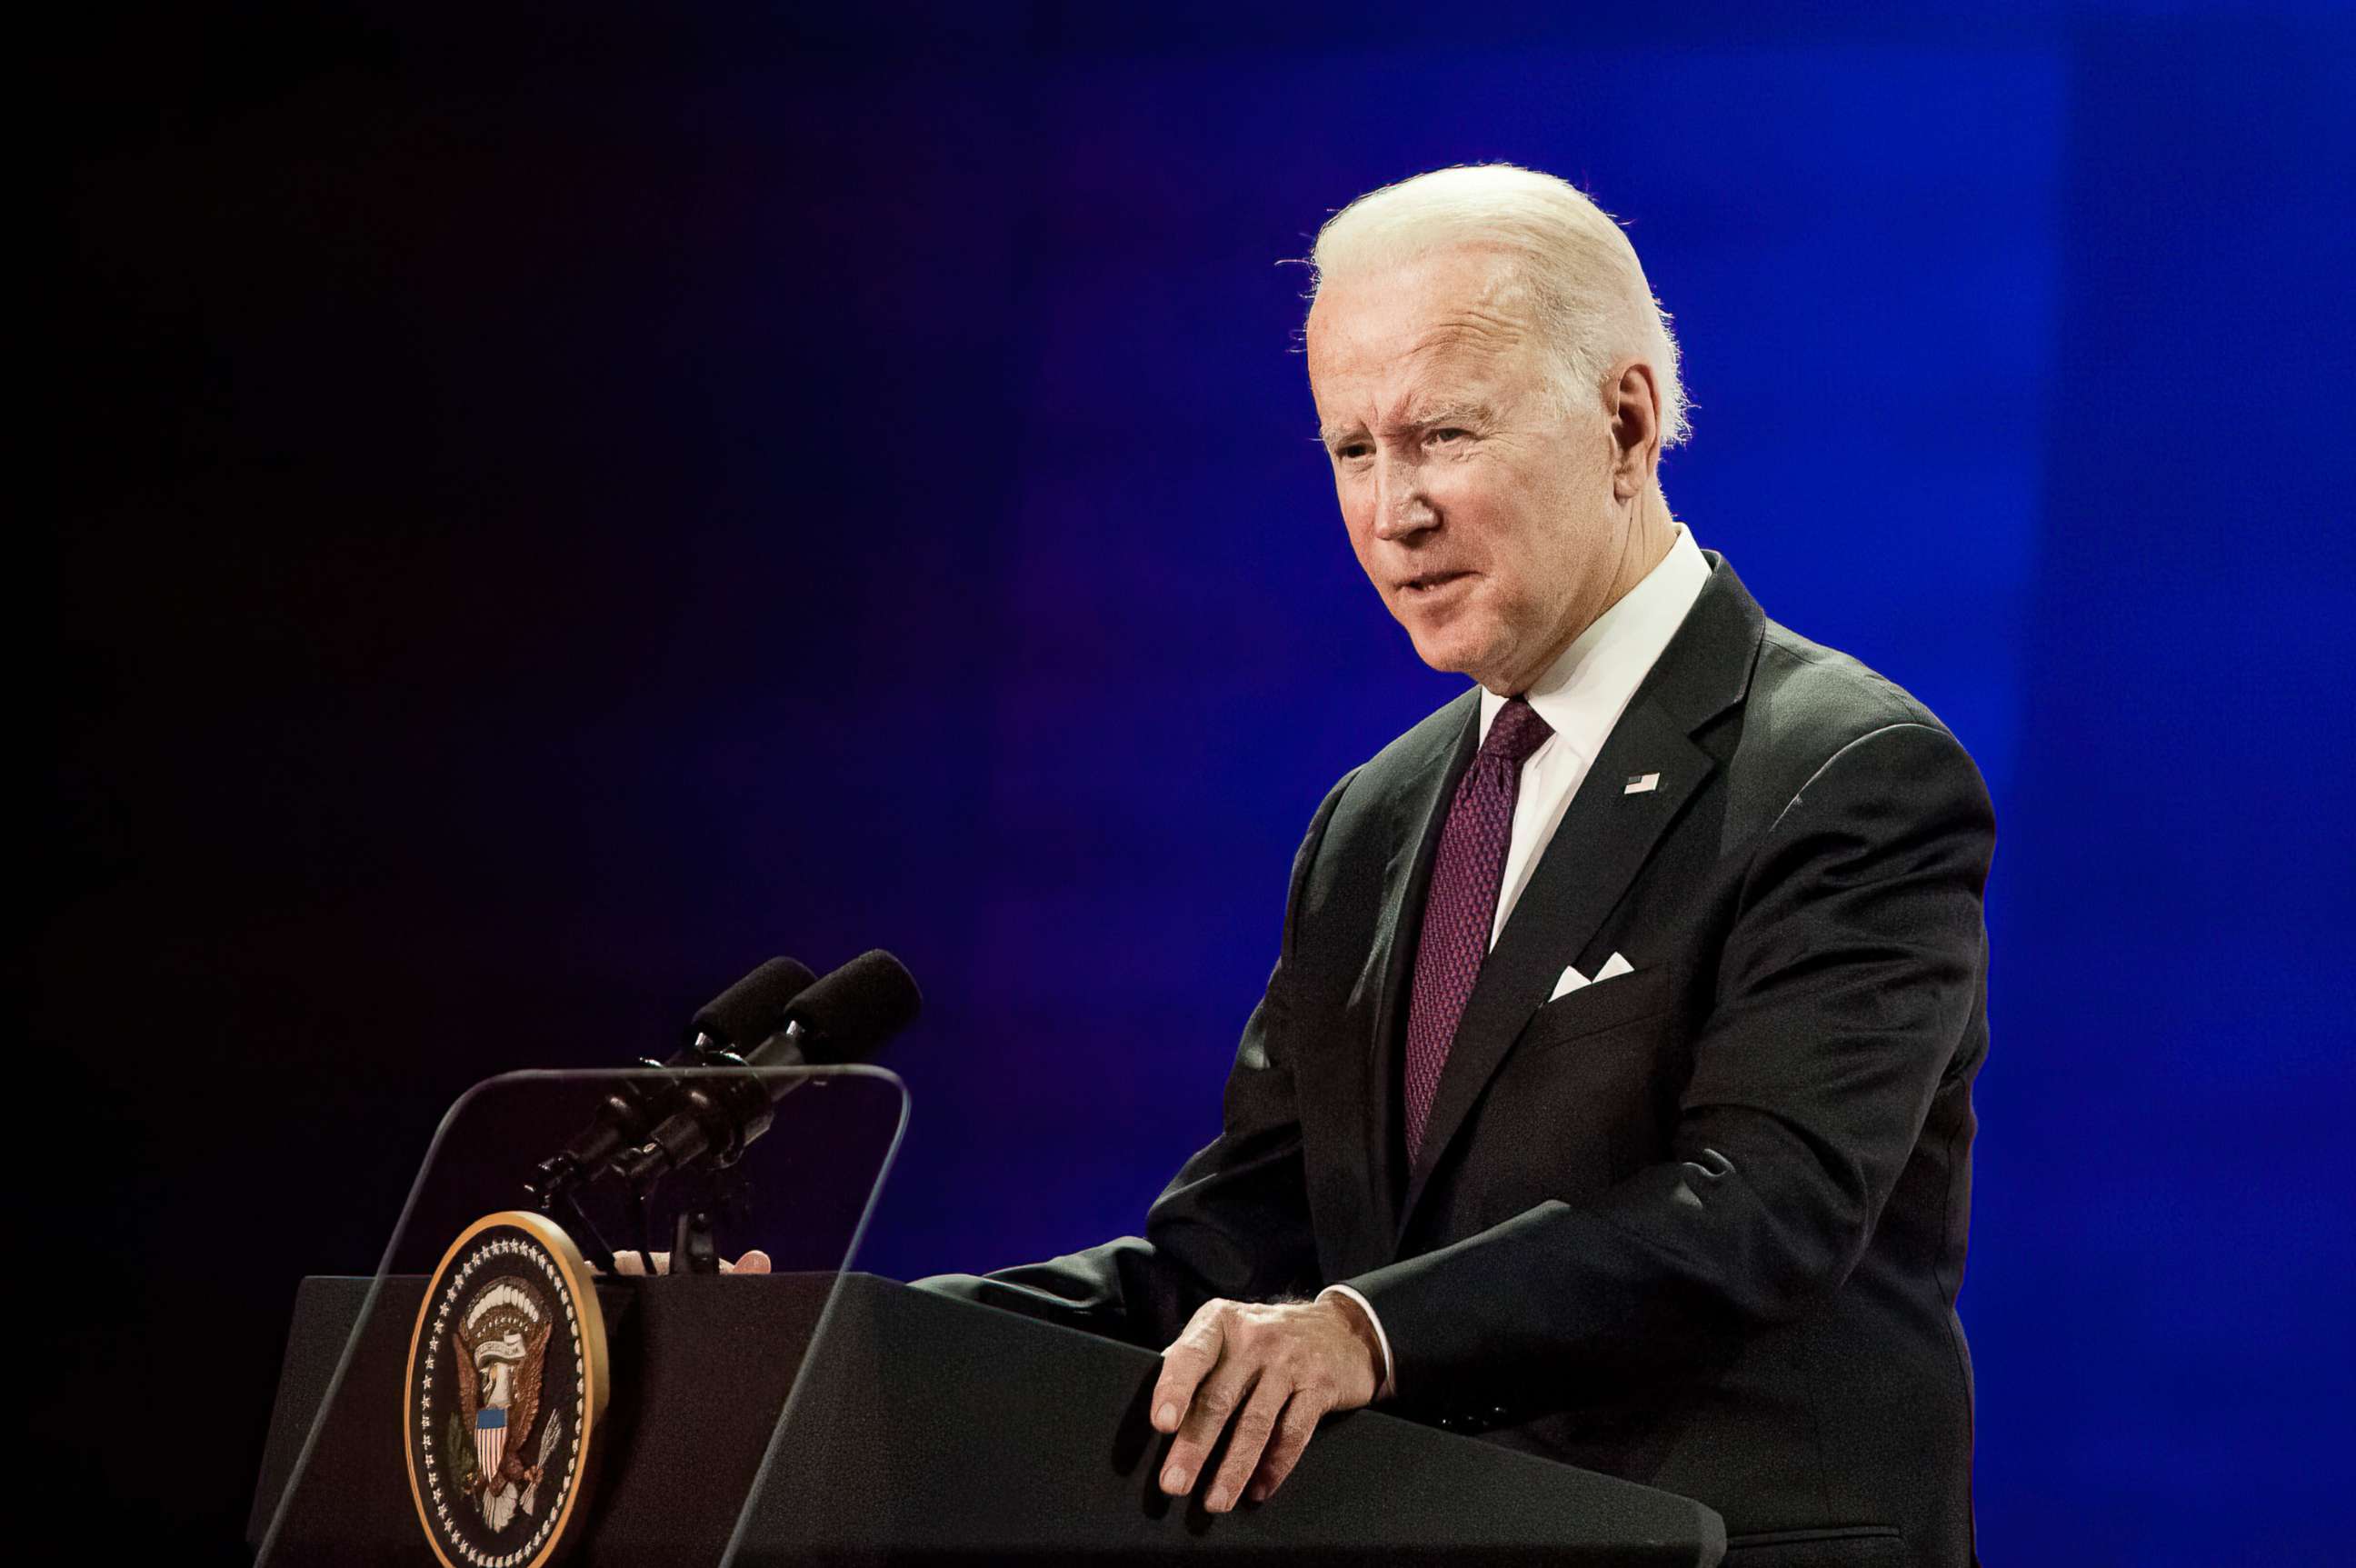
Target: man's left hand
x,y
1275,1371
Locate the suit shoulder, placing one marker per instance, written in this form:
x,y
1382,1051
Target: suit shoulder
x,y
1363,797
1810,700
1422,747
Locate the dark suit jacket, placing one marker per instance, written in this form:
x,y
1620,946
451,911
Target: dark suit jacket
x,y
1700,1225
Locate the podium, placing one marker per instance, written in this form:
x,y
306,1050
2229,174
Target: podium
x,y
926,1430
816,1415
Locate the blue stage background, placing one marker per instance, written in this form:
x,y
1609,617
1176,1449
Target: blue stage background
x,y
557,511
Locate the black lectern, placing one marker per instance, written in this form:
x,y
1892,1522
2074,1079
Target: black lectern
x,y
921,1430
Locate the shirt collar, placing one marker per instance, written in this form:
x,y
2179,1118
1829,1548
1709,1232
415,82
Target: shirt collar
x,y
1582,693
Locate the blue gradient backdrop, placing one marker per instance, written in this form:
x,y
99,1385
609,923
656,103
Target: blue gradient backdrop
x,y
563,510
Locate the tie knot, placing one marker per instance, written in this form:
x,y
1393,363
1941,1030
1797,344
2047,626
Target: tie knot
x,y
1515,732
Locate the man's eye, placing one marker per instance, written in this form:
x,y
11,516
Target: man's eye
x,y
1449,433
1351,451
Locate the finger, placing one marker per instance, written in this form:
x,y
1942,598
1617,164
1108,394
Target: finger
x,y
661,1261
1298,1425
1185,1363
1221,1394
1247,1440
753,1262
629,1263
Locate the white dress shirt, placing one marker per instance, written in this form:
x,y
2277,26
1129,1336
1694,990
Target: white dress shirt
x,y
1580,696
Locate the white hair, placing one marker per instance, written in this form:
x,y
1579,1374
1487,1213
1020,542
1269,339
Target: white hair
x,y
1593,305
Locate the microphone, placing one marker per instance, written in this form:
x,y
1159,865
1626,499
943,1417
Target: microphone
x,y
751,1010
845,1018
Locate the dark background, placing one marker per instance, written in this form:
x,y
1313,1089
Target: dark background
x,y
552,509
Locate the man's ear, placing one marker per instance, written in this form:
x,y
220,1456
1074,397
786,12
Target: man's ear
x,y
1633,406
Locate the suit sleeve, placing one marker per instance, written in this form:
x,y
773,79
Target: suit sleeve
x,y
1233,1222
1850,974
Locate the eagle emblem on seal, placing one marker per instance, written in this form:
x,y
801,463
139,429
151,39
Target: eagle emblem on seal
x,y
501,1339
506,1386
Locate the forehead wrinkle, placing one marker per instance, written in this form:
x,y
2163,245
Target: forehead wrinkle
x,y
1421,404
1481,331
1462,350
1453,372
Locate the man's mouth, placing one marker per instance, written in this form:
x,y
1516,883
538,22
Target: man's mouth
x,y
1432,582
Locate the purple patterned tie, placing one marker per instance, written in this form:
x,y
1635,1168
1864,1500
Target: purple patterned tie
x,y
1462,902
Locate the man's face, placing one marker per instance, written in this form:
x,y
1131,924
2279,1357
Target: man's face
x,y
1482,513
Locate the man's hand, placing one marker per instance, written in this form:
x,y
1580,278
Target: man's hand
x,y
1276,1371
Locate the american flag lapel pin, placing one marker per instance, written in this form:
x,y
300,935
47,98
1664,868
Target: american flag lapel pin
x,y
1640,782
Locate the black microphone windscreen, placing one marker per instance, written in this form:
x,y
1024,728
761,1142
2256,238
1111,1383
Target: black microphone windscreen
x,y
754,1008
858,1007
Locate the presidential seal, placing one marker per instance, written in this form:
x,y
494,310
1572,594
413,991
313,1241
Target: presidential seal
x,y
504,1389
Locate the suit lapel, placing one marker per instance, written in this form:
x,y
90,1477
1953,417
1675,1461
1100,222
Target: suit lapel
x,y
1604,839
1417,814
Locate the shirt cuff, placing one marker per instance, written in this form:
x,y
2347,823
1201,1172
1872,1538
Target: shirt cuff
x,y
1381,1338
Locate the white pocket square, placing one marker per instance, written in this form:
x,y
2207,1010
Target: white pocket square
x,y
1573,980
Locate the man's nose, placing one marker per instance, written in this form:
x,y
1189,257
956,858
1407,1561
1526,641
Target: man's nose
x,y
1401,508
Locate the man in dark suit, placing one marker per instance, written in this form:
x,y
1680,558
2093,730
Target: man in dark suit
x,y
1611,1093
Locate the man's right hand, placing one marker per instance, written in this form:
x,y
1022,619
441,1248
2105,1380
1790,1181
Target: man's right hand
x,y
1275,1371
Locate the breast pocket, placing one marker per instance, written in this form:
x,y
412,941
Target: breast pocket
x,y
1586,1084
1605,1005
1575,1095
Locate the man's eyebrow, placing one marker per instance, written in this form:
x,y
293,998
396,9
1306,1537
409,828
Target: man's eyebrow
x,y
1461,412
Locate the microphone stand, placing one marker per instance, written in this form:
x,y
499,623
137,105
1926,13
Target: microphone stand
x,y
728,1115
715,1191
576,1221
557,1184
